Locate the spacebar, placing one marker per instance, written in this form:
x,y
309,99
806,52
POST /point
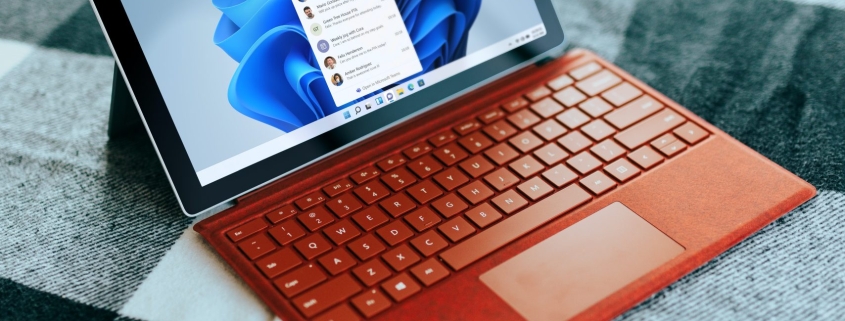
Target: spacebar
x,y
476,247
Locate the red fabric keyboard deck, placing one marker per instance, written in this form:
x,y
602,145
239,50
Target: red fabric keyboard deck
x,y
359,246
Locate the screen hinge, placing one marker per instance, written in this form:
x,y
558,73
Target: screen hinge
x,y
545,61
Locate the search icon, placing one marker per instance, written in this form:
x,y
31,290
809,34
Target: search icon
x,y
357,110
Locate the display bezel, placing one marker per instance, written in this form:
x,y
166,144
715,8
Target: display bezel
x,y
195,198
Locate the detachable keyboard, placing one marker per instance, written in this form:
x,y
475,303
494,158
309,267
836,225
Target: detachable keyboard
x,y
355,248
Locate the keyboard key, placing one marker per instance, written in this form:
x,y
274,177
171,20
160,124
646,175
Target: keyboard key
x,y
491,115
280,214
326,295
501,179
538,93
663,141
451,154
312,246
503,233
570,96
366,247
372,272
342,232
371,302
483,215
549,129
598,130
551,154
598,83
523,119
370,218
691,133
344,205
502,154
279,262
417,150
300,280
443,138
560,175
338,187
535,188
575,142
256,246
584,163
422,219
673,148
526,142
310,200
526,166
247,229
398,179
598,183
595,107
365,175
467,127
573,118
451,178
337,261
372,192
339,313
515,104
645,157
425,192
476,192
622,94
509,202
608,150
401,287
499,130
633,112
430,272
649,128
425,166
457,229
476,166
475,142
391,162
398,204
429,243
315,218
286,232
560,82
396,232
546,108
449,205
400,257
585,71
622,170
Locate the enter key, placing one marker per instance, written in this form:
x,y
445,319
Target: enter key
x,y
649,128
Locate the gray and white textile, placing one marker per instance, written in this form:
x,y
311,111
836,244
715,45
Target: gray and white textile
x,y
90,230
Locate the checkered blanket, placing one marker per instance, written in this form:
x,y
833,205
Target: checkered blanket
x,y
90,229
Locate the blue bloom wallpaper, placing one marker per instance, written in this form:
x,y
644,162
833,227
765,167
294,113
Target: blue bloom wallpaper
x,y
278,80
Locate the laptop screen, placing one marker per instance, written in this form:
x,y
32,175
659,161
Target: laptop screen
x,y
244,80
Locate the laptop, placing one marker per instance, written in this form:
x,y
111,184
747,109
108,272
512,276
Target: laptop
x,y
431,160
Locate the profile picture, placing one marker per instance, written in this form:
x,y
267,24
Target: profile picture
x,y
329,62
337,80
308,12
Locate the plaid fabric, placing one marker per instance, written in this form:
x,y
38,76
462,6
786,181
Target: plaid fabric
x,y
90,230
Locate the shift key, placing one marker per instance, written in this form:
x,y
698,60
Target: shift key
x,y
326,295
649,128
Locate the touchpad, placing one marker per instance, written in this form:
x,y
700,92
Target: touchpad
x,y
581,265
